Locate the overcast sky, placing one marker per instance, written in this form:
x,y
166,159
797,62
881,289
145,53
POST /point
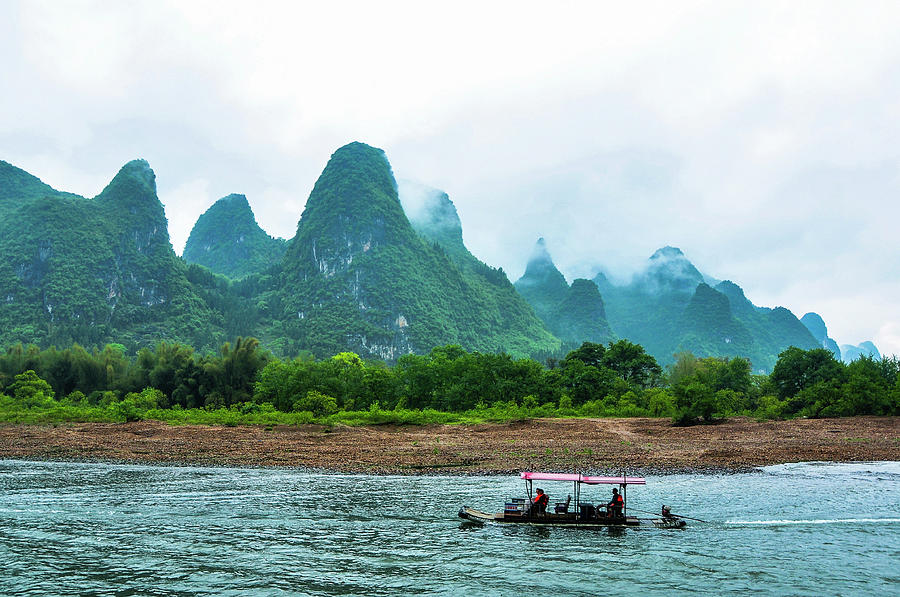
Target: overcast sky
x,y
762,138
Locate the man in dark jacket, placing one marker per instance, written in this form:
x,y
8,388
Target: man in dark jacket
x,y
616,505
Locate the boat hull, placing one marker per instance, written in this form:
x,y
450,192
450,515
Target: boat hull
x,y
565,520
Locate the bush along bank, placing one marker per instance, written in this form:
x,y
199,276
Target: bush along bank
x,y
244,384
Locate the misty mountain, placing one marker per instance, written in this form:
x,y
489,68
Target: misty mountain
x,y
576,313
816,326
542,284
434,217
668,271
227,240
370,269
96,270
850,353
669,307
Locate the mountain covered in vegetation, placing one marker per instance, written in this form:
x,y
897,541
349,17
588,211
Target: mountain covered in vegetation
x,y
816,326
357,276
374,268
433,216
96,270
575,313
670,307
227,240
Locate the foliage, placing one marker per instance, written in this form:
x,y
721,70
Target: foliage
x,y
242,384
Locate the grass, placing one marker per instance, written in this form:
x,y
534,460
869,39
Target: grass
x,y
47,411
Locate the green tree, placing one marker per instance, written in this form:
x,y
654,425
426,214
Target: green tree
x,y
694,401
29,389
631,362
588,353
797,368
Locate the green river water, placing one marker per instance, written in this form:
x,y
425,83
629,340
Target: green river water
x,y
105,529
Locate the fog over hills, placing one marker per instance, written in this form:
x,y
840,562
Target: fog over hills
x,y
582,123
375,267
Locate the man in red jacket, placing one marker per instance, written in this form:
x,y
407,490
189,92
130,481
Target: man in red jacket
x,y
540,501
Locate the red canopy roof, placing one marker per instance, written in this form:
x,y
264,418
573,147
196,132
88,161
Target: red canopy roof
x,y
583,478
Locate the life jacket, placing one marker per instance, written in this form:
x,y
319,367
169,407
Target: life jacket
x,y
617,501
542,500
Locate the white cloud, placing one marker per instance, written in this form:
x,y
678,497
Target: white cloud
x,y
184,204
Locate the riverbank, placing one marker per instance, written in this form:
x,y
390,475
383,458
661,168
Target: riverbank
x,y
590,445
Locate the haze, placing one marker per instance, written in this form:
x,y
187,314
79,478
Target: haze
x,y
760,138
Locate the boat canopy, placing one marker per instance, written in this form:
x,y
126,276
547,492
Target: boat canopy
x,y
623,480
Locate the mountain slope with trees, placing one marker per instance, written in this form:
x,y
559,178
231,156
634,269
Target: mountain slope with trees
x,y
227,240
575,313
97,270
357,276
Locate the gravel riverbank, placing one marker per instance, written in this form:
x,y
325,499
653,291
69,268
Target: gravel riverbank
x,y
587,445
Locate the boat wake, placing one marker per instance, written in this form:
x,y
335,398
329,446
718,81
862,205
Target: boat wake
x,y
815,521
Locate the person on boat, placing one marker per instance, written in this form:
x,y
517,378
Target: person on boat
x,y
540,501
667,513
616,505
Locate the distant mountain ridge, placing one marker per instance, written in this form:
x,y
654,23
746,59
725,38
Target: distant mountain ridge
x,y
375,267
575,313
850,353
669,307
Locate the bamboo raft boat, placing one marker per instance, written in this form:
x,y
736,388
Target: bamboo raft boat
x,y
582,515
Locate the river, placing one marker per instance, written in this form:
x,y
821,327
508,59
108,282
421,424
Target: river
x,y
111,529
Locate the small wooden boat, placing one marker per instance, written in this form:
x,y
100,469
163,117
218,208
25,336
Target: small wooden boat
x,y
581,514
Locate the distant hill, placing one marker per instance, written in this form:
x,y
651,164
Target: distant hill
x,y
575,313
668,307
227,240
850,353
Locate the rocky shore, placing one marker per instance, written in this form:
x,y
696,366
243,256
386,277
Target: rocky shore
x,y
588,445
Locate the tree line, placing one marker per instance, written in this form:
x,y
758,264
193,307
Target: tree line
x,y
616,379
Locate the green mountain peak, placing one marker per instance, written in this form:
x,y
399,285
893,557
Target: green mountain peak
x,y
581,316
357,276
353,209
668,270
227,240
134,180
97,270
433,215
542,284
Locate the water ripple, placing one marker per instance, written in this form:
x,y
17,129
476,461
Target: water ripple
x,y
101,529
